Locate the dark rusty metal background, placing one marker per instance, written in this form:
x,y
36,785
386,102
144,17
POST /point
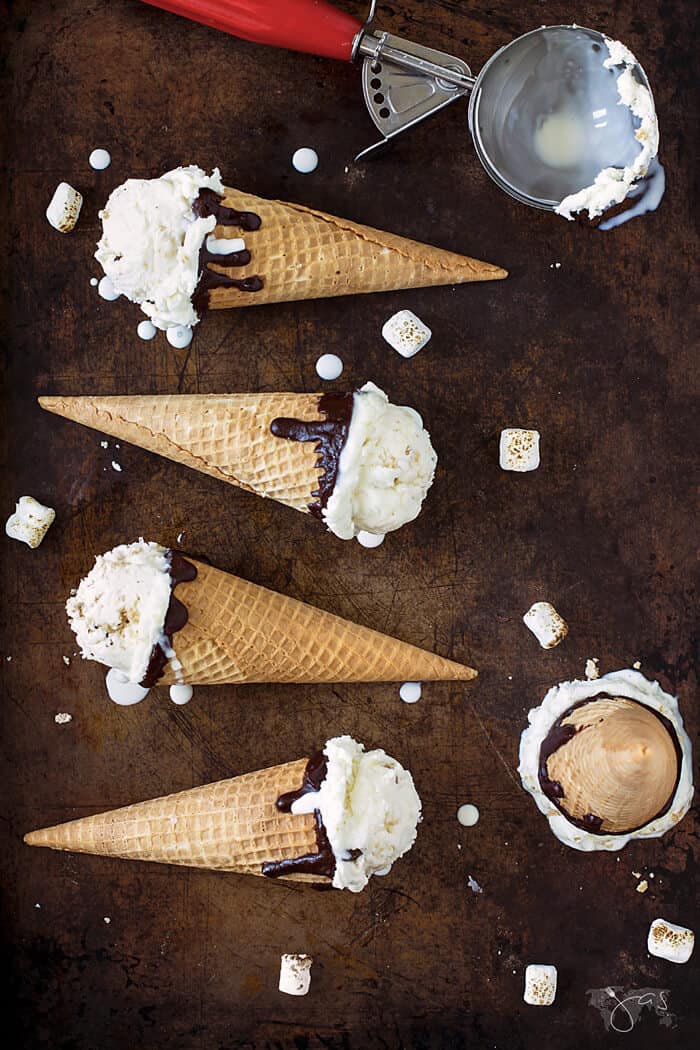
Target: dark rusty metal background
x,y
597,354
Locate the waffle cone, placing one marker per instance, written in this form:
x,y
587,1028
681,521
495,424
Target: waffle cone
x,y
301,253
225,435
620,766
232,825
240,632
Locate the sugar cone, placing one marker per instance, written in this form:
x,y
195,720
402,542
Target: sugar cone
x,y
301,253
620,766
225,435
240,632
232,825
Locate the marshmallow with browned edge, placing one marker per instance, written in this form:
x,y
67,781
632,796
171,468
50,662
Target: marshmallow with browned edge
x,y
30,522
519,450
669,941
406,333
295,974
64,209
546,624
540,984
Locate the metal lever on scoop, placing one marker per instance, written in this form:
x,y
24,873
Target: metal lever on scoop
x,y
403,83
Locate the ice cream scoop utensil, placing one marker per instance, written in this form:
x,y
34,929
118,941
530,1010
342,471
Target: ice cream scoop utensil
x,y
544,111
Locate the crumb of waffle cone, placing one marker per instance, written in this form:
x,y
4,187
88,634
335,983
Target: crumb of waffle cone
x,y
232,825
240,632
301,253
225,435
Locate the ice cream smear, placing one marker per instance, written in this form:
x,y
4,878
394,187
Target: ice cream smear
x,y
385,468
119,612
155,233
369,808
607,760
560,141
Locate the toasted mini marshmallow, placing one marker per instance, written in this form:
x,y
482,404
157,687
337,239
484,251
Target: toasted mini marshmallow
x,y
669,941
519,450
406,333
64,209
540,984
295,974
30,522
546,624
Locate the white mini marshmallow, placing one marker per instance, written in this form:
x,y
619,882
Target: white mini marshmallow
x,y
295,974
519,450
540,984
30,522
64,209
406,333
546,624
669,941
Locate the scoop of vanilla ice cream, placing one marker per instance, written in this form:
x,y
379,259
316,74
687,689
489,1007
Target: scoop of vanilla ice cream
x,y
151,239
385,469
118,611
367,802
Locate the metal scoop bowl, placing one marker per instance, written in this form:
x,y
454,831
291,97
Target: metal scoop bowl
x,y
544,111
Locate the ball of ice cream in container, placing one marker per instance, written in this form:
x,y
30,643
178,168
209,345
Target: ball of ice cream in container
x,y
608,761
159,617
354,460
335,819
184,242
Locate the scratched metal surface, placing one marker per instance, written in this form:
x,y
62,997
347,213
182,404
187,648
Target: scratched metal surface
x,y
597,354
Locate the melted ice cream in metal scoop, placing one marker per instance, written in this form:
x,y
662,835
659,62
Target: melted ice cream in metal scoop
x,y
563,119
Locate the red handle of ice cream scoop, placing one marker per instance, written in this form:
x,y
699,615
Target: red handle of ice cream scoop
x,y
298,25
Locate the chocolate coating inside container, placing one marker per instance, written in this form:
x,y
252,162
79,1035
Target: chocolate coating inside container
x,y
610,764
181,571
330,434
322,862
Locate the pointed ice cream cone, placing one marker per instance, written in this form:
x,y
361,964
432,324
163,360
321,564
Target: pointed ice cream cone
x,y
619,767
227,436
301,253
239,632
232,825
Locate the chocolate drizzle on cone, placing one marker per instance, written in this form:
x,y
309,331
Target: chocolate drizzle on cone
x,y
181,571
330,434
613,763
323,861
208,203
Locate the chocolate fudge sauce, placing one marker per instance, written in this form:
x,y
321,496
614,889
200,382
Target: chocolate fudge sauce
x,y
560,734
208,203
181,571
314,775
322,862
330,434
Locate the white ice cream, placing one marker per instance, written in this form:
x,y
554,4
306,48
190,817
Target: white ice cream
x,y
385,470
367,802
612,185
119,609
151,240
559,699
